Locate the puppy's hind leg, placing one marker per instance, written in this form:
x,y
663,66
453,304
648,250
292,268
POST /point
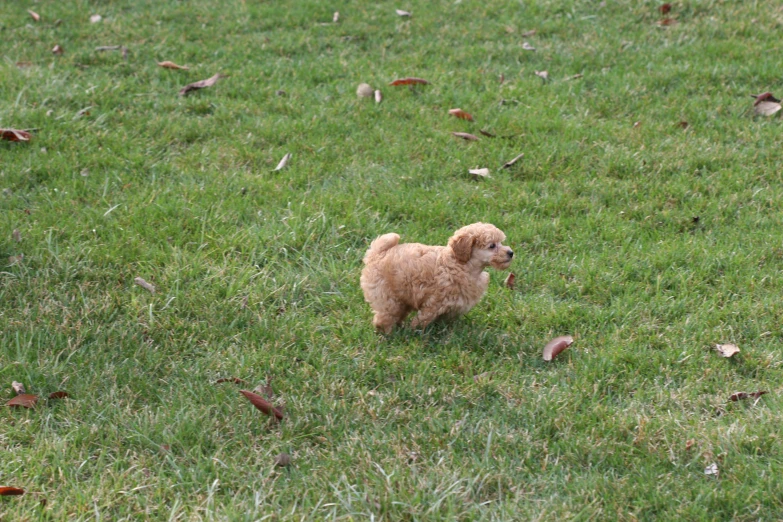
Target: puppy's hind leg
x,y
391,314
425,317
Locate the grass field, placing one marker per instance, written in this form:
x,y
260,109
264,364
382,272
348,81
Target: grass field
x,y
647,241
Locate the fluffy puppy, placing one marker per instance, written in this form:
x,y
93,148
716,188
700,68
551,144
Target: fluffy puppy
x,y
434,280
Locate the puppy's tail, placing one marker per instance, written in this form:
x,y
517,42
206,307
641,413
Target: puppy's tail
x,y
379,247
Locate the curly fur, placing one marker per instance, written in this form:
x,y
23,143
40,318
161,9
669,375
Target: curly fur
x,y
434,280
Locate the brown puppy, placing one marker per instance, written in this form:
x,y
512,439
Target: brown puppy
x,y
434,280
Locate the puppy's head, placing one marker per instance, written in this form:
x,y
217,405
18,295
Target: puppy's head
x,y
481,243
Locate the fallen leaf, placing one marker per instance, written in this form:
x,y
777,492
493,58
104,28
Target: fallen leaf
x,y
509,282
84,112
486,376
15,135
209,82
574,77
527,47
94,19
235,380
364,90
282,460
528,34
727,350
283,162
172,65
465,136
665,8
738,396
501,78
689,444
509,163
260,403
378,96
637,124
57,49
410,81
557,345
712,469
18,388
7,491
667,22
766,104
400,12
59,395
265,389
145,285
25,400
35,15
484,173
12,260
22,65
336,17
683,124
544,75
459,113
487,134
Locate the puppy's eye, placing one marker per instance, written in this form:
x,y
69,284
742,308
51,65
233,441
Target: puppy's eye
x,y
492,245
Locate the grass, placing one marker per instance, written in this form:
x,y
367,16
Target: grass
x,y
600,211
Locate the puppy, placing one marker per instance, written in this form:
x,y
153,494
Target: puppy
x,y
434,280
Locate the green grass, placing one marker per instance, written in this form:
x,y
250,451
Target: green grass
x,y
180,191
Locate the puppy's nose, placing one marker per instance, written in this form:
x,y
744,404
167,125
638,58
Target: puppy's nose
x,y
510,254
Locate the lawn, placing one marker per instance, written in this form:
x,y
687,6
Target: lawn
x,y
645,215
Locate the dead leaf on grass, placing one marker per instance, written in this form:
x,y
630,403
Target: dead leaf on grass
x,y
282,460
683,124
527,47
171,65
766,104
283,162
465,136
364,90
260,403
528,34
59,395
12,260
459,113
689,444
209,82
17,235
727,350
486,376
265,389
235,380
510,279
402,13
409,81
8,491
666,22
378,96
145,285
18,388
22,65
25,400
94,19
483,173
544,75
665,8
712,470
336,17
738,396
35,15
575,77
57,49
486,133
512,161
15,135
557,345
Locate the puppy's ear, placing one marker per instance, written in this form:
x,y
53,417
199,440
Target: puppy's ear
x,y
461,244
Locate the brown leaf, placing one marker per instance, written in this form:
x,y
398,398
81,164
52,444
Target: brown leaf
x,y
683,124
575,77
145,285
465,136
486,133
22,65
283,460
544,75
512,161
57,49
712,469
17,235
528,34
59,395
400,12
7,491
509,282
18,388
689,444
364,90
260,403
410,81
557,345
486,376
35,15
235,380
665,8
727,350
15,135
12,260
171,65
209,82
764,96
738,396
459,113
766,104
266,389
667,22
527,47
484,173
25,400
